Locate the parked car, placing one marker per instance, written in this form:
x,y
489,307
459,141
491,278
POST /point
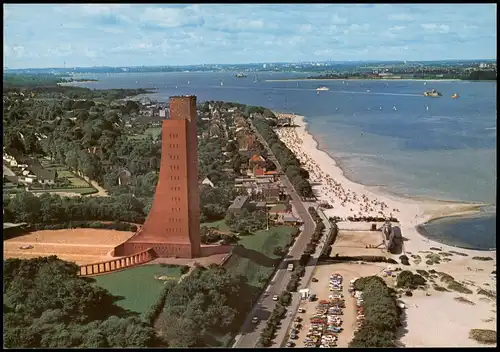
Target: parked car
x,y
275,297
255,320
314,279
290,344
302,310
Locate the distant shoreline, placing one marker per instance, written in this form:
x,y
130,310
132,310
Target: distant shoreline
x,y
75,81
365,79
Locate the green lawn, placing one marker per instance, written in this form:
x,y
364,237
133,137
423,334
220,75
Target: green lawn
x,y
137,285
151,131
75,180
264,242
221,224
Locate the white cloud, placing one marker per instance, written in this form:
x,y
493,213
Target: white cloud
x,y
169,17
184,34
400,17
397,28
359,27
335,19
305,28
439,28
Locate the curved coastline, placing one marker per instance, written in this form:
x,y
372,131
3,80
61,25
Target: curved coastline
x,y
422,210
385,191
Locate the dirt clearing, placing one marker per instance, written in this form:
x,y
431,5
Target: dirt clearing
x,y
82,246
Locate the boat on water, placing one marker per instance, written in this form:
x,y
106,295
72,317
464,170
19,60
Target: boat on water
x,y
221,83
394,108
455,96
322,89
432,93
427,108
240,75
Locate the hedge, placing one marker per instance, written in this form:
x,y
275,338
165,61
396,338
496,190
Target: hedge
x,y
156,308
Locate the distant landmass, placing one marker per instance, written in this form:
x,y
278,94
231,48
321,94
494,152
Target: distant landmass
x,y
311,66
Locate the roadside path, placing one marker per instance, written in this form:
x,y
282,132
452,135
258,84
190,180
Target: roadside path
x,y
250,333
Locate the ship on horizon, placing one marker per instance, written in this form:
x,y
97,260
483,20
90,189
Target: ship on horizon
x,y
322,89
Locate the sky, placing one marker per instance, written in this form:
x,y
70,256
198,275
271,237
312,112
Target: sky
x,y
50,35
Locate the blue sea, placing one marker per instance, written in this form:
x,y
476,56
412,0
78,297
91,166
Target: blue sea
x,y
382,133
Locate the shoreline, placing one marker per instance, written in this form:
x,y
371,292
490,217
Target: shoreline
x,y
413,211
437,302
367,79
73,82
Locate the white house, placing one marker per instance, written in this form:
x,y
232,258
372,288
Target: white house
x,y
207,182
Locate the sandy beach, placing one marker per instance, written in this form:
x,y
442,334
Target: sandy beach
x,y
454,318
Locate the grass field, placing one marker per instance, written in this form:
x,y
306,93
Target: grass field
x,y
137,286
150,131
256,270
63,172
75,180
221,224
264,242
153,131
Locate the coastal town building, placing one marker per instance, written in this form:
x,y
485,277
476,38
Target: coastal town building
x,y
207,182
239,203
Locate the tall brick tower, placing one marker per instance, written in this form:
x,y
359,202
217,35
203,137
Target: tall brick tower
x,y
172,227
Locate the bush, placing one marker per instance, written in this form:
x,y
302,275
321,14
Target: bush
x,y
485,336
404,260
292,285
446,278
487,293
156,308
423,272
285,298
278,251
408,279
439,288
482,258
455,286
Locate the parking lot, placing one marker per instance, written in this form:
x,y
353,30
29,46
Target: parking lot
x,y
322,273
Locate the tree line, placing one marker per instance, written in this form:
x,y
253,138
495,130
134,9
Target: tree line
x,y
54,209
382,315
297,175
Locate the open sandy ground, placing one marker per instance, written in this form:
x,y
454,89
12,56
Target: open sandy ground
x,y
82,246
352,199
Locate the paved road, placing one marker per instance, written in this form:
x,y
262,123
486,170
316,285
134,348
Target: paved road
x,y
250,333
304,283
